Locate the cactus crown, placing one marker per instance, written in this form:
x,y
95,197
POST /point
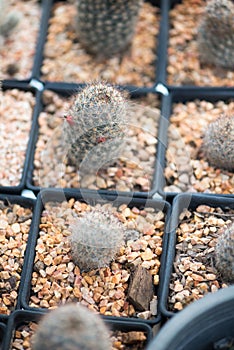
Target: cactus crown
x,y
218,143
216,34
95,239
71,327
98,104
7,21
224,254
97,115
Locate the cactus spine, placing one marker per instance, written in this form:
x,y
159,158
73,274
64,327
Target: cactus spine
x,y
95,125
224,254
216,34
218,143
7,21
106,27
71,327
95,239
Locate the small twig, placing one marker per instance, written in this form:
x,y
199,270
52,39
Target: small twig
x,y
222,215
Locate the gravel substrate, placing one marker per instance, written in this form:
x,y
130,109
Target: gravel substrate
x,y
133,169
16,111
120,340
194,271
65,59
56,279
15,222
186,169
18,49
184,67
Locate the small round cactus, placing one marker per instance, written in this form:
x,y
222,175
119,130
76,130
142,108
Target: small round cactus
x,y
71,327
105,27
224,254
216,34
95,239
8,21
218,143
96,120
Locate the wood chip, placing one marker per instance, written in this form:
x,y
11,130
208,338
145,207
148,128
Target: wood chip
x,y
140,291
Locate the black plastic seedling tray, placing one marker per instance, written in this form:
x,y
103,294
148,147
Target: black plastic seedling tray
x,y
21,318
183,95
44,22
181,202
92,199
162,59
22,86
2,333
26,203
68,90
3,323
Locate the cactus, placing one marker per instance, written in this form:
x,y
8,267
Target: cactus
x,y
224,254
71,327
216,34
7,21
95,239
106,27
95,125
218,143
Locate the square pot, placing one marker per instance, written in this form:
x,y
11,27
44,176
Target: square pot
x,y
183,65
2,332
25,323
188,112
133,173
106,289
15,227
17,114
65,60
198,326
195,224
